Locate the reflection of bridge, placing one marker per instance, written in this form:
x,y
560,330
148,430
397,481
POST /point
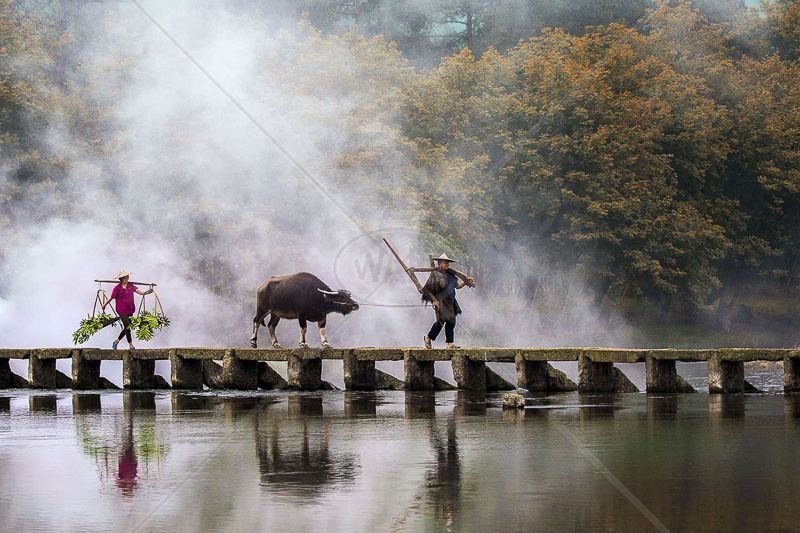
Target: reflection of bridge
x,y
247,369
426,461
292,436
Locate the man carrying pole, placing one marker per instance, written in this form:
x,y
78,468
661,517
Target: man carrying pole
x,y
440,290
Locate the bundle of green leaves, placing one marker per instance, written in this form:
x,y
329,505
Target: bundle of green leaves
x,y
148,324
91,325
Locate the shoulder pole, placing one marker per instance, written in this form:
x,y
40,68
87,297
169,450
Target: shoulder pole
x,y
409,271
115,281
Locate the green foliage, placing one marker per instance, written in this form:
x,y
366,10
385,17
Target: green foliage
x,y
148,323
91,325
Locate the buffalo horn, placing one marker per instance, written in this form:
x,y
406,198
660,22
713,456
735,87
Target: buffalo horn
x,y
332,293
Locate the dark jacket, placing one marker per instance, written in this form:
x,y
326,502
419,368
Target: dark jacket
x,y
437,286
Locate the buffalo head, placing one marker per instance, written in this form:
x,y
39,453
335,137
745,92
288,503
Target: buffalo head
x,y
339,301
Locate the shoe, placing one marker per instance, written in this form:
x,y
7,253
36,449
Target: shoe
x,y
427,342
453,347
114,345
131,347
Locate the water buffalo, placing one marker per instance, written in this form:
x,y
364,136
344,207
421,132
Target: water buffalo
x,y
300,296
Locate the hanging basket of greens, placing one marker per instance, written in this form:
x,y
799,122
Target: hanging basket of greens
x,y
149,323
146,324
94,322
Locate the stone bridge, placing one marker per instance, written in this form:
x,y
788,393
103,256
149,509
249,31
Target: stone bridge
x,y
248,368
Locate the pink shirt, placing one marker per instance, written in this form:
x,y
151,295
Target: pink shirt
x,y
124,298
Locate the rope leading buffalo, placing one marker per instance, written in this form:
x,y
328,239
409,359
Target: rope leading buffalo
x,y
300,296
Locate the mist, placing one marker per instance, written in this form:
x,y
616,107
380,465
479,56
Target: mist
x,y
218,170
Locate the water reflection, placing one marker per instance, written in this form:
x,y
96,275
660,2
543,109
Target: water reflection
x,y
301,406
443,480
296,462
182,401
138,401
372,461
791,405
43,403
127,462
420,404
599,406
127,447
470,403
86,403
539,404
237,407
662,407
360,404
726,406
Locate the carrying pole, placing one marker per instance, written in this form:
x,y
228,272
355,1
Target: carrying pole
x,y
115,281
456,273
408,270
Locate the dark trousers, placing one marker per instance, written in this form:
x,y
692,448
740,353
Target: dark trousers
x,y
449,329
126,323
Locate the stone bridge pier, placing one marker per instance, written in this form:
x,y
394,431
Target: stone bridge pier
x,y
248,368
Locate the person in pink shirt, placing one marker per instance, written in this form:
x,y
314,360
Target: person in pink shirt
x,y
123,294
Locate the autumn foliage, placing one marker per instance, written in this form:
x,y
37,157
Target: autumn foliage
x,y
658,157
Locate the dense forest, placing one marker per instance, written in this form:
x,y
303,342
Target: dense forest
x,y
643,155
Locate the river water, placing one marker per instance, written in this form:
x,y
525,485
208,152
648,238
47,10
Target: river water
x,y
395,461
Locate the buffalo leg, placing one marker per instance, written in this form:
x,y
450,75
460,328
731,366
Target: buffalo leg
x,y
257,321
325,343
273,323
303,329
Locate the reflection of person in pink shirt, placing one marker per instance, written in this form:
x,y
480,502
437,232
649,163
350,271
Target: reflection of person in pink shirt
x,y
123,294
128,466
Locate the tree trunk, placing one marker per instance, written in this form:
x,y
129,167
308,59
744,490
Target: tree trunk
x,y
469,31
726,301
61,55
600,291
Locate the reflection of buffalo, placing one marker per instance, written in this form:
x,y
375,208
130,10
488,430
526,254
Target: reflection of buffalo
x,y
304,471
301,296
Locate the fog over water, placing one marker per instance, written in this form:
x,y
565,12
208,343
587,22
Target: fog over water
x,y
189,159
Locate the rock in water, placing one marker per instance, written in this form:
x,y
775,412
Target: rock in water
x,y
384,381
750,388
159,382
327,385
105,384
440,384
513,401
496,382
212,375
622,383
683,385
63,381
269,379
18,382
557,381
